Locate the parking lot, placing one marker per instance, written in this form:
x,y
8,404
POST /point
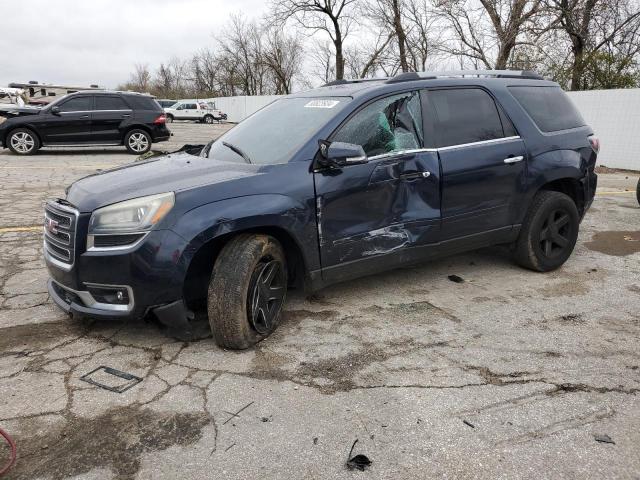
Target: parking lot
x,y
505,374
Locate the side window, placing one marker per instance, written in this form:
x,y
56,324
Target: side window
x,y
78,104
110,103
384,126
465,115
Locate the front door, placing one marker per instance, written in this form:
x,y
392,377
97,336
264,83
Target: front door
x,y
483,162
72,125
109,113
371,215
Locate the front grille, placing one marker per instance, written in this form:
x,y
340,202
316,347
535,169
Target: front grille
x,y
60,223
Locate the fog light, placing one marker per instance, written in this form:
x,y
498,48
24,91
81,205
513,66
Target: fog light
x,y
109,295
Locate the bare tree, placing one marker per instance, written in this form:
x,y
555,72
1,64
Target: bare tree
x,y
488,31
594,26
283,56
141,77
389,15
330,16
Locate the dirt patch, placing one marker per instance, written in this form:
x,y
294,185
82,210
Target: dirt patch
x,y
36,336
571,319
115,440
616,243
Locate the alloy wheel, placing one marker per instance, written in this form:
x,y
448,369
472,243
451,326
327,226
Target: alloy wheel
x,y
22,142
555,233
138,142
267,293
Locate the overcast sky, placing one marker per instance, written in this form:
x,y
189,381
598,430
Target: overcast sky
x,y
99,41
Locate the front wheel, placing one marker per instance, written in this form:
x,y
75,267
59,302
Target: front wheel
x,y
247,291
169,119
137,142
549,232
23,141
638,191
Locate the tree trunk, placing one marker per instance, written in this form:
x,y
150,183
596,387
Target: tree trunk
x,y
337,42
402,36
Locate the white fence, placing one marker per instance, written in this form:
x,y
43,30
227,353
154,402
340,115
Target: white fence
x,y
613,114
239,108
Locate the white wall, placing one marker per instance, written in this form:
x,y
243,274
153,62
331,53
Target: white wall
x,y
239,108
614,116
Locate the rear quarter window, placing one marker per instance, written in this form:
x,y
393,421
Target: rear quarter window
x,y
549,107
142,103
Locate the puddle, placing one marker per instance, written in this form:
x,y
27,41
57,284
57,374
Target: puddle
x,y
617,243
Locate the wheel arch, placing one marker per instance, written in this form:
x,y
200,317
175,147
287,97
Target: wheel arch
x,y
202,260
5,141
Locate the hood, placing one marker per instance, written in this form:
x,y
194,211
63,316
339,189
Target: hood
x,y
170,173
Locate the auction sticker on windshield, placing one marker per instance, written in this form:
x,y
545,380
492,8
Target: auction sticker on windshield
x,y
322,103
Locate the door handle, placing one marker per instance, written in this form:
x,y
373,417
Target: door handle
x,y
84,116
414,175
126,115
513,159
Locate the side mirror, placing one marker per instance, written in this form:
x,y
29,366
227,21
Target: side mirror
x,y
55,110
341,154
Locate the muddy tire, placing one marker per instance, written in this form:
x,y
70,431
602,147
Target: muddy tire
x,y
549,232
247,291
23,141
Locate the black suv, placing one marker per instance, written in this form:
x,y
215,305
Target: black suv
x,y
346,180
89,118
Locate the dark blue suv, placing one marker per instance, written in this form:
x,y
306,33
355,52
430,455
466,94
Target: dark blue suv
x,y
346,180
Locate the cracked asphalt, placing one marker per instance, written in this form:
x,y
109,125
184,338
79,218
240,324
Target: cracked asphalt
x,y
509,374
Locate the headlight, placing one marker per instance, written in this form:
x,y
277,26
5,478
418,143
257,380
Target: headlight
x,y
137,215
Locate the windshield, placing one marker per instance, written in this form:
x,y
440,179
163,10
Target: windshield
x,y
275,132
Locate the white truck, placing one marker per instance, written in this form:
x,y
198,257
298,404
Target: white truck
x,y
199,111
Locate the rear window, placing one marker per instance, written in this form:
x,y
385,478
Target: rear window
x,y
549,107
142,103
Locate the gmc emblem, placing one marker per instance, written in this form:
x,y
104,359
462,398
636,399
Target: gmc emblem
x,y
51,225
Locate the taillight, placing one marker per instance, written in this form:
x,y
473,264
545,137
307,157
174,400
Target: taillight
x,y
595,143
161,119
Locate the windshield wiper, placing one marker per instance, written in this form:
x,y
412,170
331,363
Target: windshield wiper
x,y
238,151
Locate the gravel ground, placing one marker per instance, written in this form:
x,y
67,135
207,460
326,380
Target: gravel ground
x,y
510,374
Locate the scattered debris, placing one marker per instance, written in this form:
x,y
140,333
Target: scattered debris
x,y
468,423
456,278
102,377
315,440
234,415
267,419
230,447
359,462
604,439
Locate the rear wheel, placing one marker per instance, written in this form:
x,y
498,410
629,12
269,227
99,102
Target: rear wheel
x,y
638,191
23,141
247,291
208,119
549,232
137,142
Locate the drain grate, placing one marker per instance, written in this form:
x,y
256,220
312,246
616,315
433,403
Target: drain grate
x,y
111,379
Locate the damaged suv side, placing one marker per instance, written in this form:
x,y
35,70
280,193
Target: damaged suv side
x,y
350,179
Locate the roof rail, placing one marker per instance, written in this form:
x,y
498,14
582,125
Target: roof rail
x,y
354,80
521,74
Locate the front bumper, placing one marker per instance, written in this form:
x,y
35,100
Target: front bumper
x,y
151,273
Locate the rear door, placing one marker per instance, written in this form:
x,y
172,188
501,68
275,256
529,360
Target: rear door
x,y
370,215
483,162
72,125
191,111
109,113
